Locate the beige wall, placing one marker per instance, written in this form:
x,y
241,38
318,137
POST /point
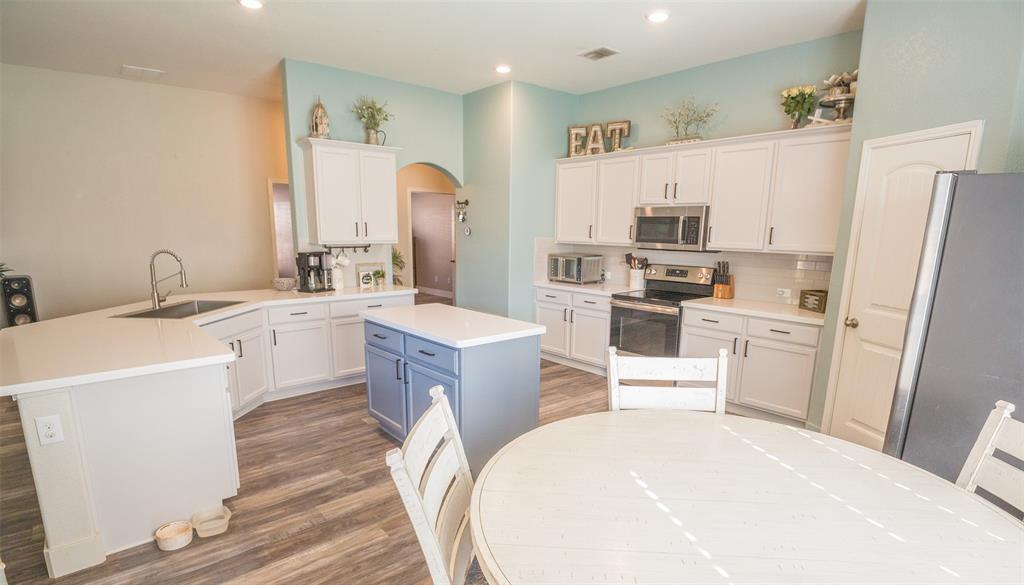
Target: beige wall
x,y
432,236
99,172
415,177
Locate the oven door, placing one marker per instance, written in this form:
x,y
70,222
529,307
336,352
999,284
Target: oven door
x,y
648,330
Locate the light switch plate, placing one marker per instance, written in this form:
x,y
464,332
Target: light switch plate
x,y
49,429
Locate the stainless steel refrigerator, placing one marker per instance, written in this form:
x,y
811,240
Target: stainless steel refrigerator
x,y
964,344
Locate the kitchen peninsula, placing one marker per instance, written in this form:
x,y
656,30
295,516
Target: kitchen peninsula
x,y
128,419
489,367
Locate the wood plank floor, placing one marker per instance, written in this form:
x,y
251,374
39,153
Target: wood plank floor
x,y
317,504
425,298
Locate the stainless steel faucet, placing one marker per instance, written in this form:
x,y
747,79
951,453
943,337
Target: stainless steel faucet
x,y
157,299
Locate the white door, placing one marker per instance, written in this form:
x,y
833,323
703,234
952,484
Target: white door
x,y
692,184
777,377
251,366
339,213
556,319
300,353
739,195
575,200
589,337
807,194
348,344
703,343
656,178
893,197
617,181
378,188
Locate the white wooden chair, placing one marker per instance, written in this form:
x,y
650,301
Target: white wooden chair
x,y
993,475
434,480
705,379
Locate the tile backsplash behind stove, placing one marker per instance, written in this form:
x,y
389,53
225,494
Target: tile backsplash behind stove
x,y
758,275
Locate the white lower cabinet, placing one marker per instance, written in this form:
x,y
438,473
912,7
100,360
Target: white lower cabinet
x,y
771,363
251,366
555,319
589,336
301,353
777,377
347,344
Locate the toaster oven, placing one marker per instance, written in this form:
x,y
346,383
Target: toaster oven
x,y
575,268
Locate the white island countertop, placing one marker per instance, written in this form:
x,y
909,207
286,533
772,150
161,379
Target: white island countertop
x,y
762,309
97,346
452,326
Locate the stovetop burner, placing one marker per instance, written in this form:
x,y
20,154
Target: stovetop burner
x,y
658,297
669,285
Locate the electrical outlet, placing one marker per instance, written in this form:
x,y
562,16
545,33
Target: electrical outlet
x,y
49,430
784,293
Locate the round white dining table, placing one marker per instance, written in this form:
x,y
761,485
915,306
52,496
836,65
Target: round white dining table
x,y
673,497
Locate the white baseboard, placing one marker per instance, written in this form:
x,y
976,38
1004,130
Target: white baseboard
x,y
558,359
283,393
74,556
435,291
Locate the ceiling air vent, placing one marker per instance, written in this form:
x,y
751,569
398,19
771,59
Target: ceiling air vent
x,y
599,53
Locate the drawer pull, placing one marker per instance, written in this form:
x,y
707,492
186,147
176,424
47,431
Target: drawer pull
x,y
374,306
708,320
779,331
379,336
299,313
590,302
427,353
550,296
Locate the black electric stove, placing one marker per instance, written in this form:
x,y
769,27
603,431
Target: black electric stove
x,y
648,322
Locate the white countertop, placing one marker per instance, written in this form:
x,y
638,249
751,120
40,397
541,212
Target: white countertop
x,y
452,326
93,347
763,309
598,288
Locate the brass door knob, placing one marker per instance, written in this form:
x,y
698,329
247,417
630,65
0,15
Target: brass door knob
x,y
852,323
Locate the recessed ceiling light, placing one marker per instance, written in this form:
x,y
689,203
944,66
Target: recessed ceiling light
x,y
657,16
503,69
251,4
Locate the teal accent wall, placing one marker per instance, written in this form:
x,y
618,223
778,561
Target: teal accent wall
x,y
746,89
427,124
922,65
482,275
539,121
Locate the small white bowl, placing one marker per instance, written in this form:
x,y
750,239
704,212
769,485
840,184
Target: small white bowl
x,y
211,522
284,284
174,535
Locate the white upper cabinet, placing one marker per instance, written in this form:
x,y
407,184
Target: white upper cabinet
x,y
676,178
657,178
739,195
617,182
808,194
575,197
351,192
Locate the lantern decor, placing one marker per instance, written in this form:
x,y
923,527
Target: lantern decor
x,y
320,127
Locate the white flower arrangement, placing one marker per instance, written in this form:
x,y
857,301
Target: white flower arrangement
x,y
800,91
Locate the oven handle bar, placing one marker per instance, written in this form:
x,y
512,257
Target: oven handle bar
x,y
645,308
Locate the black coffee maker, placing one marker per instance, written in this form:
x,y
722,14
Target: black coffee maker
x,y
314,270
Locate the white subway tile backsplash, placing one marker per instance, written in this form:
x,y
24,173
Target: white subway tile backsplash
x,y
757,275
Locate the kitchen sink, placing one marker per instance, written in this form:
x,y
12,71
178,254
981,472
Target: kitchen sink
x,y
181,310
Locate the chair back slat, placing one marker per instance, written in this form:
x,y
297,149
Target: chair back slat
x,y
698,383
982,469
433,478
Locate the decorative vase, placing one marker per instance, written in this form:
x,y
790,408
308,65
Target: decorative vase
x,y
375,137
797,118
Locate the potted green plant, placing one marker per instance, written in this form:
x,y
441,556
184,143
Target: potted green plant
x,y
4,268
688,120
372,114
798,102
397,265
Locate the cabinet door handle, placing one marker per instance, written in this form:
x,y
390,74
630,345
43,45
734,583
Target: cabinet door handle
x,y
398,369
550,296
232,344
771,235
366,230
779,331
427,353
666,190
374,306
572,316
746,345
709,234
240,354
273,332
565,311
675,189
631,231
708,320
590,232
357,229
734,340
379,336
590,302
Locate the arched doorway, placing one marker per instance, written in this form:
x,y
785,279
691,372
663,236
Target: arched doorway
x,y
426,232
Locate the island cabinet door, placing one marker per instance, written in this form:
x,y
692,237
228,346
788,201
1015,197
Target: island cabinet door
x,y
300,353
385,387
419,382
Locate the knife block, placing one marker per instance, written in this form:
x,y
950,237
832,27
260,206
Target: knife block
x,y
725,291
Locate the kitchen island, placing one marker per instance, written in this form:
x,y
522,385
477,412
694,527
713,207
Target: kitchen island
x,y
489,367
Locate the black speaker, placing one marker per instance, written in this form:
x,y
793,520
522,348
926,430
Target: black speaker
x,y
19,302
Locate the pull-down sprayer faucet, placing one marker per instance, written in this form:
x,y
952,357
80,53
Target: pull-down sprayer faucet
x,y
157,299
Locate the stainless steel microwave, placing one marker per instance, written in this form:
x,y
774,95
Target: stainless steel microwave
x,y
672,228
574,268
